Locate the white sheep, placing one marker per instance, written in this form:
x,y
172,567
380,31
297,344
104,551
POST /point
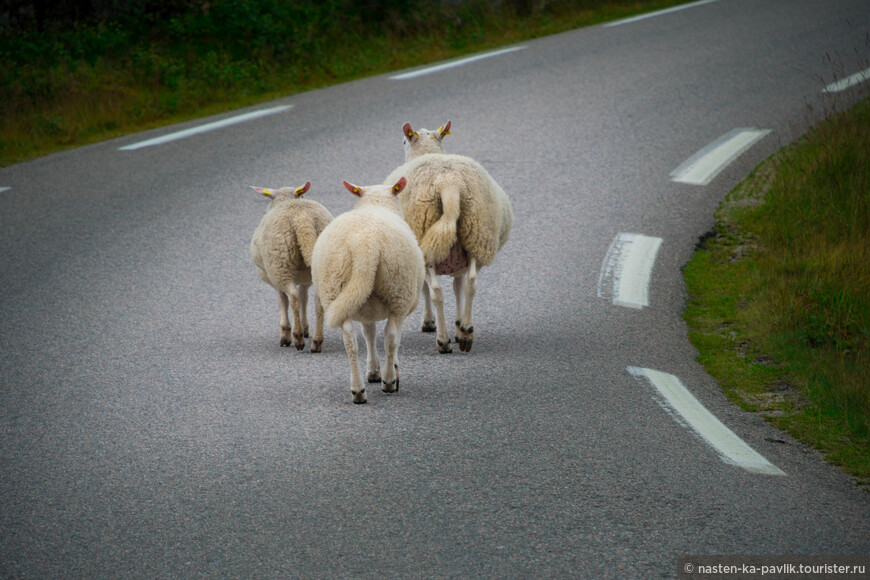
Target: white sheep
x,y
281,249
461,218
368,267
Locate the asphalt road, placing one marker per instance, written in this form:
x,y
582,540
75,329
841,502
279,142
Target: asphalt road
x,y
153,427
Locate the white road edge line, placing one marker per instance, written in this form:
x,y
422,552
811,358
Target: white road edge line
x,y
848,82
2,189
452,64
206,128
656,13
731,448
706,164
628,263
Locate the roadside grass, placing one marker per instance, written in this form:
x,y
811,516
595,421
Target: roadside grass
x,y
779,305
67,87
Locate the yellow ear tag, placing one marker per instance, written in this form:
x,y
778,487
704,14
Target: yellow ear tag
x,y
300,190
267,191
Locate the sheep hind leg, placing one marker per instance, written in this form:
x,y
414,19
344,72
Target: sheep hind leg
x,y
391,347
373,365
317,341
303,309
442,339
298,334
465,337
357,389
283,304
459,293
428,316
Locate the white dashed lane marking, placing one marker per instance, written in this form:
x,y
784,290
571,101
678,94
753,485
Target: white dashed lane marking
x,y
706,164
848,82
452,64
656,13
688,411
205,128
627,268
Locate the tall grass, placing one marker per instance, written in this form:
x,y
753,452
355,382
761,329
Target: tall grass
x,y
792,253
78,79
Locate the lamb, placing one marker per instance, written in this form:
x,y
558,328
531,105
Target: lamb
x,y
281,249
368,267
461,218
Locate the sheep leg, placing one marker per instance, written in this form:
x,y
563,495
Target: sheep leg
x,y
428,316
391,348
298,334
373,365
283,304
317,341
348,331
303,309
459,293
441,339
465,337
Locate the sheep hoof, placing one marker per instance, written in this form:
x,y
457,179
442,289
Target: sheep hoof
x,y
429,326
360,397
316,345
465,338
444,347
392,387
464,344
285,342
299,341
373,377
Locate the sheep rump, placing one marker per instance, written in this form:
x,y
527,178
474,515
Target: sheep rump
x,y
482,221
360,271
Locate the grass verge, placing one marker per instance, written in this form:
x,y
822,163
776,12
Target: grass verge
x,y
779,305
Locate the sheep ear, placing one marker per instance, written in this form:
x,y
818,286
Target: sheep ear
x,y
300,191
409,131
262,190
443,130
354,189
400,185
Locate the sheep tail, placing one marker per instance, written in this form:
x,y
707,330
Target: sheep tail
x,y
357,289
441,236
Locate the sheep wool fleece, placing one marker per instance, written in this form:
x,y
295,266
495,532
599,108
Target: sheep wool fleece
x,y
366,265
485,215
283,243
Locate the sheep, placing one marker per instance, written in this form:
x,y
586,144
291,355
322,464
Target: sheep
x,y
281,250
367,267
461,218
